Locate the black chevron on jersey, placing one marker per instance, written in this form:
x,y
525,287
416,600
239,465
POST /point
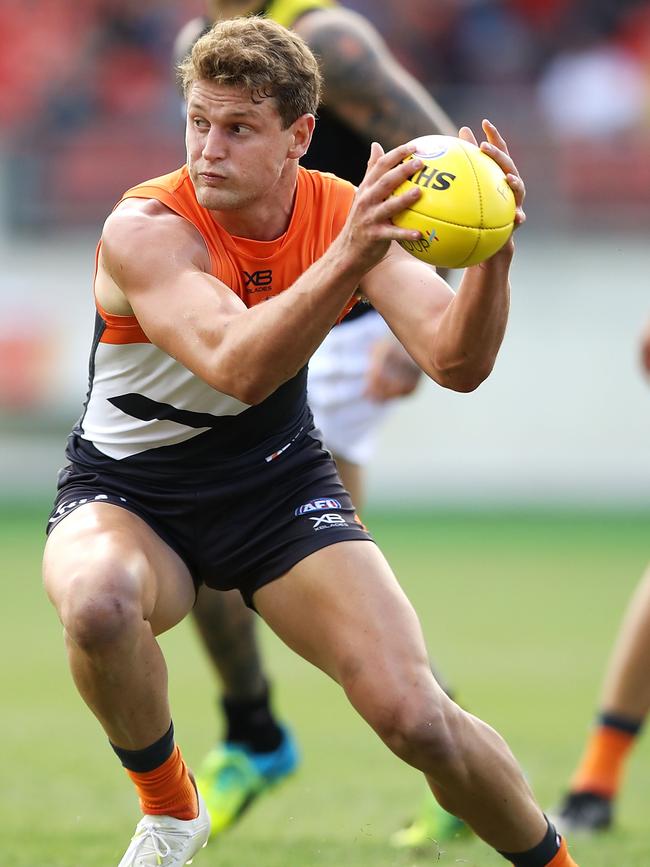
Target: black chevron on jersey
x,y
139,406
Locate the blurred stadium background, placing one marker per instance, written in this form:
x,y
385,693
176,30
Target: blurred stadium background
x,y
88,107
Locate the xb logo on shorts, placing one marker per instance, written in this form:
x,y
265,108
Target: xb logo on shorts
x,y
329,519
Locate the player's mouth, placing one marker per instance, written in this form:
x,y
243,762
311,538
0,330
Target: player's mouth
x,y
212,179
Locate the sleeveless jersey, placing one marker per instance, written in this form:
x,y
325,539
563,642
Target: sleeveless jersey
x,y
146,414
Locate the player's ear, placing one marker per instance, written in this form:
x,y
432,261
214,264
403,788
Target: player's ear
x,y
302,130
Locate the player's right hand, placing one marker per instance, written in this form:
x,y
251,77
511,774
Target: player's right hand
x,y
368,231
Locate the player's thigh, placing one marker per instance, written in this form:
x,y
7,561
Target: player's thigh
x,y
342,609
101,549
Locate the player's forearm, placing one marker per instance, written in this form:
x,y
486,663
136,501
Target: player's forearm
x,y
472,328
397,109
266,345
414,114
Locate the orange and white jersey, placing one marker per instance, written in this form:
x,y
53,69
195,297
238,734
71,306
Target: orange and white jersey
x,y
147,411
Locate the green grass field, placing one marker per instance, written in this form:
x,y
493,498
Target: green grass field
x,y
519,610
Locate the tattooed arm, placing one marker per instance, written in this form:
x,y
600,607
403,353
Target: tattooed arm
x,y
364,84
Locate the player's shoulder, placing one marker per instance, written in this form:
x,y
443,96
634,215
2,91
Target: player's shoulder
x,y
324,29
156,199
171,183
141,229
135,214
352,55
143,202
321,184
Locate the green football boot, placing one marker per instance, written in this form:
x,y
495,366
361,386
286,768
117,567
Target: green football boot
x,y
431,826
232,777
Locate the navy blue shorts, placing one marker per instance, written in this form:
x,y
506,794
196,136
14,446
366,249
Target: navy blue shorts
x,y
240,530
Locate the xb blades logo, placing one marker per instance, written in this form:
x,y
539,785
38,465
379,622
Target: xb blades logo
x,y
258,281
331,519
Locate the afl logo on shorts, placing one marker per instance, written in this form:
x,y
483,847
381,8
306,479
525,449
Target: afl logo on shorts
x,y
317,506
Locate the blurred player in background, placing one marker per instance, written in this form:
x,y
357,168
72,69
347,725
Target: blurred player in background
x,y
353,376
624,706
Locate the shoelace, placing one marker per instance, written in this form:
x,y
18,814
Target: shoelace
x,y
159,846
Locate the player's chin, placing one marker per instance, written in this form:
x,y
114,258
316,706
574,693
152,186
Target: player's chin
x,y
214,200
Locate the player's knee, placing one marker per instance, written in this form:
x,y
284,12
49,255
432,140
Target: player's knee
x,y
422,732
100,607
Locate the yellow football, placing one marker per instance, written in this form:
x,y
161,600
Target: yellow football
x,y
466,210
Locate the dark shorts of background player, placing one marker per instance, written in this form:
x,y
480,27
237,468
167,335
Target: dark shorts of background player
x,y
239,531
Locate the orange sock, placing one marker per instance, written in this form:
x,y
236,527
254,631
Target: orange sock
x,y
168,790
601,766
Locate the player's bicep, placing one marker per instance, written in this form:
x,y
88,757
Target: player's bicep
x,y
351,60
364,85
161,267
186,314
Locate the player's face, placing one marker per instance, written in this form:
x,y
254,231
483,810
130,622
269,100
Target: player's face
x,y
236,149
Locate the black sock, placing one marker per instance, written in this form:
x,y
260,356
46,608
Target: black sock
x,y
150,757
540,855
620,723
250,722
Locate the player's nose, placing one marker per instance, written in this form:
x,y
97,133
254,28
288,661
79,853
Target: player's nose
x,y
214,145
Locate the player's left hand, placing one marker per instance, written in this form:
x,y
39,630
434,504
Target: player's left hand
x,y
392,372
495,147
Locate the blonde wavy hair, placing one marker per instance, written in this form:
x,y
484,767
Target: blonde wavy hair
x,y
260,56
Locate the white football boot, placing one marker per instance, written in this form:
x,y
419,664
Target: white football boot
x,y
162,841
